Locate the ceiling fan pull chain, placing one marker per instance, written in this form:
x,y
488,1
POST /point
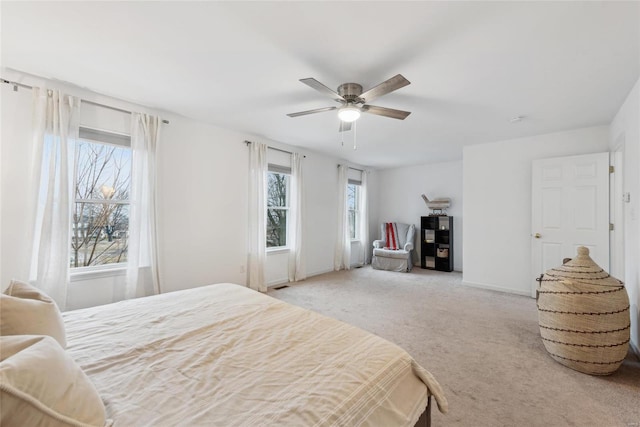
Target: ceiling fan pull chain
x,y
342,132
355,127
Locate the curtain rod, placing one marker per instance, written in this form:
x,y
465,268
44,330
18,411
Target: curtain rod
x,y
355,169
86,101
274,148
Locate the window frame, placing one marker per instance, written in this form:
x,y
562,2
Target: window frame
x,y
111,139
286,172
357,211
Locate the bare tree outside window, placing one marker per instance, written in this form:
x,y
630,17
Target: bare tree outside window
x,y
100,223
277,209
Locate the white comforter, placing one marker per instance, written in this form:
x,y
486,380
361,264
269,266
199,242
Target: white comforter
x,y
224,355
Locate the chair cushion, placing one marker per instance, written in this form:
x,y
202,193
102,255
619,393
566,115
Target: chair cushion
x,y
41,385
26,310
386,253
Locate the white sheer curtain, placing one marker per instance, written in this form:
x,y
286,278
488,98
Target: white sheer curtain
x,y
257,215
342,254
364,219
297,268
142,257
55,128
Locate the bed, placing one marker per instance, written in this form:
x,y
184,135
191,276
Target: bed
x,y
225,355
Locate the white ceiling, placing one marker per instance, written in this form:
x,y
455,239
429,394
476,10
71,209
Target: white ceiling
x,y
472,65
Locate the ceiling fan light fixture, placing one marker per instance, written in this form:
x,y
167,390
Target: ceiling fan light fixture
x,y
349,114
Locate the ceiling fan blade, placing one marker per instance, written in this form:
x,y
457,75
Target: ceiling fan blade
x,y
317,110
344,126
387,112
394,83
322,88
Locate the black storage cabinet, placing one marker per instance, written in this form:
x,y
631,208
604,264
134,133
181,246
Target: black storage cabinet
x,y
436,248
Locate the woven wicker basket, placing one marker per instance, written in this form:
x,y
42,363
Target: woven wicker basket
x,y
584,316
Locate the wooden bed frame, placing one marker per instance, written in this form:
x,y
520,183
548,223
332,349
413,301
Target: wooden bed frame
x,y
425,418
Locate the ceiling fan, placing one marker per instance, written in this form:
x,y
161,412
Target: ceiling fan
x,y
354,101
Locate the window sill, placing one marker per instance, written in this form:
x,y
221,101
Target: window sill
x,y
275,251
88,273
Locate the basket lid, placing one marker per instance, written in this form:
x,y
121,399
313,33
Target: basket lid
x,y
582,269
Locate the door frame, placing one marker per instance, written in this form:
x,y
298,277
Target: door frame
x,y
616,208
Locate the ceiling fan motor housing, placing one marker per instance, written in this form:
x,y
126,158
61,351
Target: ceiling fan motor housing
x,y
350,92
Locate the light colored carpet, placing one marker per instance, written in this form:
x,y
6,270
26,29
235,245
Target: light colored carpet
x,y
482,346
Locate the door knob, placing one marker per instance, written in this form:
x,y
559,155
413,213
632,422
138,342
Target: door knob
x,y
537,235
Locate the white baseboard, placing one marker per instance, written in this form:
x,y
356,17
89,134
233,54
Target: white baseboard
x,y
319,272
277,282
496,288
282,281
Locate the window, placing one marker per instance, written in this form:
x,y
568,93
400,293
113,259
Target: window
x,y
277,207
353,205
100,215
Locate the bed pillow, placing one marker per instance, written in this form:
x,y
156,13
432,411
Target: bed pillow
x,y
26,310
41,385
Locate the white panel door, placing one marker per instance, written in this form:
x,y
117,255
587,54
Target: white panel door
x,y
570,208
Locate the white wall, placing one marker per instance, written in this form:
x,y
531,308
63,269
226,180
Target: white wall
x,y
203,199
497,204
626,127
373,183
321,207
202,196
400,199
